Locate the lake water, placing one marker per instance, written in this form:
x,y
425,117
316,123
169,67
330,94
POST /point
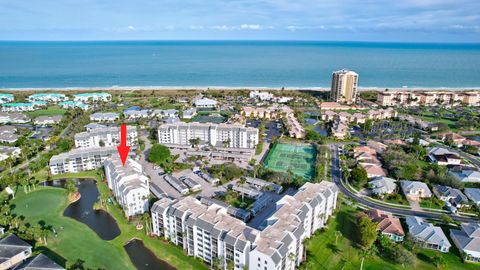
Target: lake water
x,y
235,64
82,210
143,258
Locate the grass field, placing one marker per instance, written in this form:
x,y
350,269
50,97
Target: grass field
x,y
299,159
327,251
54,110
77,241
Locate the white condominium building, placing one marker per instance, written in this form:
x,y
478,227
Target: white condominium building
x,y
6,117
221,135
209,233
428,98
108,136
80,159
261,95
129,185
47,97
92,97
6,98
344,86
104,116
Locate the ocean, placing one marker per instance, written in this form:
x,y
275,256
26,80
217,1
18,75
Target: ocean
x,y
290,64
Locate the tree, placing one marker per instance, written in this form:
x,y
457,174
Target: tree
x,y
159,154
367,230
438,261
358,176
194,142
447,219
65,144
146,219
70,186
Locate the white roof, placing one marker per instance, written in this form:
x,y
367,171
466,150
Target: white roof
x,y
205,102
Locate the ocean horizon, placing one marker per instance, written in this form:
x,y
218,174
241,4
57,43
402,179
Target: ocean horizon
x,y
235,64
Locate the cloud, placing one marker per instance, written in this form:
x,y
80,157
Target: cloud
x,y
130,28
250,26
242,27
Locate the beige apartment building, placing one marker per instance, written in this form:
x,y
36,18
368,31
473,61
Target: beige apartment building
x,y
344,86
428,98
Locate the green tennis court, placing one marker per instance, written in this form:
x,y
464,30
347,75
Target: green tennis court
x,y
298,158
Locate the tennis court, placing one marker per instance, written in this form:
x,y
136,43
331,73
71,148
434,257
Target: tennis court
x,y
298,158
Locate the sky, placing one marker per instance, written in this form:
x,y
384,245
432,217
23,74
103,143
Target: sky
x,y
453,21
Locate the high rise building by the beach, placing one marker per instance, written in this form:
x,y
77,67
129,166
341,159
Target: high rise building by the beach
x,y
344,86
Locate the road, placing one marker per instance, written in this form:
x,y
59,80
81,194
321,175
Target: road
x,y
22,166
337,179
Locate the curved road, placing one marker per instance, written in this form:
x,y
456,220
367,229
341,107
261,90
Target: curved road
x,y
337,176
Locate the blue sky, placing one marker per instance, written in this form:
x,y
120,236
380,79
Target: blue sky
x,y
362,20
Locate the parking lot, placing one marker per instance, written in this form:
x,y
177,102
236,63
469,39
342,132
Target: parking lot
x,y
273,128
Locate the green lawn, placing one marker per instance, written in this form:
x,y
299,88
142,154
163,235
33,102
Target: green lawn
x,y
324,253
78,241
75,240
432,203
54,110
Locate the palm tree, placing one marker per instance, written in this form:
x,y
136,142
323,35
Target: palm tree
x,y
24,182
46,231
147,220
15,221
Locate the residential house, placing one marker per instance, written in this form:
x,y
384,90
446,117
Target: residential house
x,y
388,225
415,190
382,185
39,262
473,194
13,251
466,176
450,195
467,240
442,156
429,236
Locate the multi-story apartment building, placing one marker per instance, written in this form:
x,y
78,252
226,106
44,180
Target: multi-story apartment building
x,y
344,86
107,136
92,97
104,116
6,117
80,159
23,106
6,98
47,97
208,232
428,98
129,185
223,135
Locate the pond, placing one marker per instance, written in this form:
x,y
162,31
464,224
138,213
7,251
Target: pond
x,y
319,128
143,258
82,210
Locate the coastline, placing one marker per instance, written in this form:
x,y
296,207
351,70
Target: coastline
x,y
213,88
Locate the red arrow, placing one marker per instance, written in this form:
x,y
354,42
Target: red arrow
x,y
123,149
